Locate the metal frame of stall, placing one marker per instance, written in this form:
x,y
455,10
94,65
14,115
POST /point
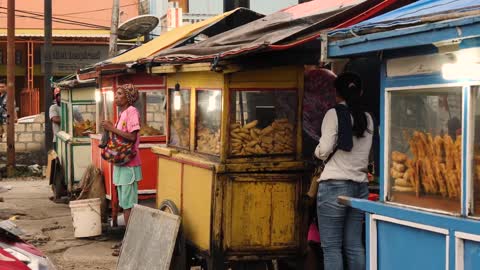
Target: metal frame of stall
x,y
414,234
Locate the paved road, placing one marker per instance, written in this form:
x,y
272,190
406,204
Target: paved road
x,y
49,227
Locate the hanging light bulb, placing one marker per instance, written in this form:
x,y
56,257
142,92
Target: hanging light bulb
x,y
98,96
212,101
177,98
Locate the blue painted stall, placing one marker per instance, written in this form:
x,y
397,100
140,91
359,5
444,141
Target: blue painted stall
x,y
428,216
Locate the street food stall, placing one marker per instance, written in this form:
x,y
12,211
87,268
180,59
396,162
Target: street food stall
x,y
78,121
152,121
233,165
428,214
124,68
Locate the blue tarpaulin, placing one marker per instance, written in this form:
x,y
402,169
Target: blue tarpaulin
x,y
412,14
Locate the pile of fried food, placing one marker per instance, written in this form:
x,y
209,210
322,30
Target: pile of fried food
x,y
147,130
249,140
208,140
81,129
434,169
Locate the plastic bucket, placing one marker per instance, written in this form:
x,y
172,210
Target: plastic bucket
x,y
86,217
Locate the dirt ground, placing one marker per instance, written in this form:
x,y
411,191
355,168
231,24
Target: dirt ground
x,y
48,226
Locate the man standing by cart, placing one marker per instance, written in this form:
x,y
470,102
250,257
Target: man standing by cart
x,y
54,113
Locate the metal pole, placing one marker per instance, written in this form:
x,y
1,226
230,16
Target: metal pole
x,y
112,49
11,88
47,60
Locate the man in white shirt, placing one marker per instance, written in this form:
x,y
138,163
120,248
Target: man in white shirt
x,y
55,113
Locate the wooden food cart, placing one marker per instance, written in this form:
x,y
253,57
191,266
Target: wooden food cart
x,y
152,116
232,165
428,214
78,121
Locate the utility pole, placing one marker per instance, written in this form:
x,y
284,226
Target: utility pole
x,y
47,54
112,48
11,88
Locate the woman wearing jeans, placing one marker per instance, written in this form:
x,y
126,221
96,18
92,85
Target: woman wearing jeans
x,y
347,132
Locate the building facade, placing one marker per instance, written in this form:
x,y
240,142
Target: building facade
x,y
197,10
80,30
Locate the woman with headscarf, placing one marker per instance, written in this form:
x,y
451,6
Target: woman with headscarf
x,y
347,133
126,177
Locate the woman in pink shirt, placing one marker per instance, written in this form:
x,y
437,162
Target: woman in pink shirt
x,y
126,177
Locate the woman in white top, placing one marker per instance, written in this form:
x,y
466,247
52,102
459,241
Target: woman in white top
x,y
347,132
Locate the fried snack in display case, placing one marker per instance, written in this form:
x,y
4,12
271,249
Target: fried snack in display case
x,y
262,122
151,107
83,120
179,118
209,113
426,148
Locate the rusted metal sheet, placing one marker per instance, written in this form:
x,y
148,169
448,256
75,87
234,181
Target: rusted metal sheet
x,y
149,240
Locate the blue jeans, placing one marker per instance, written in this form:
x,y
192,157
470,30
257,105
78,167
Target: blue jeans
x,y
341,226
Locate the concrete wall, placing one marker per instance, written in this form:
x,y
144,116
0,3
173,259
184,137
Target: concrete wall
x,y
29,140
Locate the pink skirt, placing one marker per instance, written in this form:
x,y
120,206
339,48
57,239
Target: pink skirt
x,y
313,234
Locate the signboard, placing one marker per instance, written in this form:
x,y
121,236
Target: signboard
x,y
67,59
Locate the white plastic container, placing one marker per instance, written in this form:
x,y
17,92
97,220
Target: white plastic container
x,y
86,217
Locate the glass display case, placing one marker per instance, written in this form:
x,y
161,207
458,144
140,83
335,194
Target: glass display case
x,y
78,112
83,117
208,119
105,106
262,121
179,125
151,106
425,149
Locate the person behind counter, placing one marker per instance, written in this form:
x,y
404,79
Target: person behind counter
x,y
126,177
54,112
347,132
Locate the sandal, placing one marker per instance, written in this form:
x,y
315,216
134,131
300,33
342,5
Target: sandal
x,y
116,252
117,245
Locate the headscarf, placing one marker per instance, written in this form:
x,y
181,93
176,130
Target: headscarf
x,y
130,92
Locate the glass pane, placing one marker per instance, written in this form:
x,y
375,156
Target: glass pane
x,y
209,113
476,151
83,120
106,107
262,122
151,107
426,145
179,118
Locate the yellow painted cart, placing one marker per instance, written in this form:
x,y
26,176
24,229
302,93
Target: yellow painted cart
x,y
233,164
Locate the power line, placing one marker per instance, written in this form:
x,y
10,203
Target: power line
x,y
59,21
96,10
39,16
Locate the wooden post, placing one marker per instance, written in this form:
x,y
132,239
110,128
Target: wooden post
x,y
112,49
47,75
11,88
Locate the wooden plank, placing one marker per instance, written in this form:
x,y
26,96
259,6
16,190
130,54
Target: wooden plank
x,y
149,240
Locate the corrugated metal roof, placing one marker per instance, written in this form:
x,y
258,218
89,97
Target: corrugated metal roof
x,y
59,33
285,29
165,40
413,14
